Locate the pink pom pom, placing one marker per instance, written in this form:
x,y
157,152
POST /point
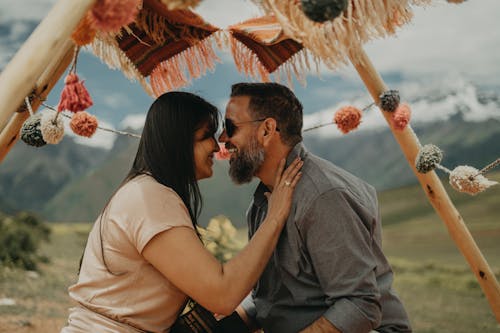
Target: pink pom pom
x,y
401,117
74,96
83,124
223,153
347,118
111,15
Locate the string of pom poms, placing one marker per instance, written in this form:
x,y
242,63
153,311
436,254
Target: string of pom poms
x,y
463,178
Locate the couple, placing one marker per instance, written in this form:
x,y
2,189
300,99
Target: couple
x,y
314,258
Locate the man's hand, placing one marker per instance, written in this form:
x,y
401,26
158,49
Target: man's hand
x,y
321,325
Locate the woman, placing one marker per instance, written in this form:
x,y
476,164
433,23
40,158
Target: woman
x,y
144,257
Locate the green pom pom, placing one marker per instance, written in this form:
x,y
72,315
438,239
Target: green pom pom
x,y
323,10
31,133
427,158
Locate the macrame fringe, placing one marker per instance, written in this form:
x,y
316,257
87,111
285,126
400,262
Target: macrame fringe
x,y
334,41
171,74
248,63
106,48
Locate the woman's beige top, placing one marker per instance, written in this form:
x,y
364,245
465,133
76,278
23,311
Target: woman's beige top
x,y
135,293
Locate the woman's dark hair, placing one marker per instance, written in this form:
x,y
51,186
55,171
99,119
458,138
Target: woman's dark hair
x,y
166,148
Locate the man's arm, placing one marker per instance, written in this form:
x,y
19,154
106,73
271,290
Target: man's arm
x,y
337,231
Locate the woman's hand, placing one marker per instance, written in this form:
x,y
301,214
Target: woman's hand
x,y
280,200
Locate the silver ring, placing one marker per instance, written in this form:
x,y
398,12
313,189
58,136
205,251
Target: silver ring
x,y
287,183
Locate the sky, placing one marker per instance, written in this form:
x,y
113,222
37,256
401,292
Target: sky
x,y
453,44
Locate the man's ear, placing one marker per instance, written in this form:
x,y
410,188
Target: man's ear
x,y
268,131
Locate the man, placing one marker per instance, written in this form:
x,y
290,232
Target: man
x,y
328,272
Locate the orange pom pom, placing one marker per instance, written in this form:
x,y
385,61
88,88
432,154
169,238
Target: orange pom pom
x,y
347,118
401,117
84,33
111,15
84,124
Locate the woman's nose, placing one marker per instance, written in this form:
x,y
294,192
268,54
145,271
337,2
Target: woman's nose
x,y
223,136
217,146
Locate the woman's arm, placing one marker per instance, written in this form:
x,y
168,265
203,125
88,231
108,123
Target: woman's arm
x,y
180,256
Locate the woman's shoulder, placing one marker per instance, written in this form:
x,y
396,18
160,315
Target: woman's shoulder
x,y
146,185
143,195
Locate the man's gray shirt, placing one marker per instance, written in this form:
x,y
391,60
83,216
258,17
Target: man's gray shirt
x,y
329,260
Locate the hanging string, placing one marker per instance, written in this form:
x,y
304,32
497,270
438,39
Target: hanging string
x,y
99,127
489,167
333,122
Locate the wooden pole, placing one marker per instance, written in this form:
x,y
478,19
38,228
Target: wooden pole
x,y
20,75
434,190
44,85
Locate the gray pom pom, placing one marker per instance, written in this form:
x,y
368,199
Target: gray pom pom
x,y
323,10
427,158
31,133
389,100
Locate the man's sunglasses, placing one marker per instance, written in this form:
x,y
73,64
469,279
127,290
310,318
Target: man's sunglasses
x,y
231,127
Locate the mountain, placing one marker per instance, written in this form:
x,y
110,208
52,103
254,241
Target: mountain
x,y
29,177
373,155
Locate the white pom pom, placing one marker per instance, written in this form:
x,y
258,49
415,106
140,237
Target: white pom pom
x,y
52,128
465,179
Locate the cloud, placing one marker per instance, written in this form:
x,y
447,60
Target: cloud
x,y
444,38
134,121
31,10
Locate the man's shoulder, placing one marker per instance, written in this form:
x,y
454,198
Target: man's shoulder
x,y
323,179
321,176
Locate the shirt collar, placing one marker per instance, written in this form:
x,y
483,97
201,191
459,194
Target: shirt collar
x,y
298,150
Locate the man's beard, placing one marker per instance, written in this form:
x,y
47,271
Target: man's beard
x,y
247,162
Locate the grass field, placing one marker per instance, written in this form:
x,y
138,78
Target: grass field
x,y
432,277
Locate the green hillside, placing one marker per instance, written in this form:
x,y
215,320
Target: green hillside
x,y
413,230
436,285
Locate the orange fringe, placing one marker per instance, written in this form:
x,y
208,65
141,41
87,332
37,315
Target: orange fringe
x,y
106,48
171,74
247,62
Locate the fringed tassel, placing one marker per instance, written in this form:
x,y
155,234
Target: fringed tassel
x,y
74,96
84,33
111,15
299,64
171,74
247,62
106,48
